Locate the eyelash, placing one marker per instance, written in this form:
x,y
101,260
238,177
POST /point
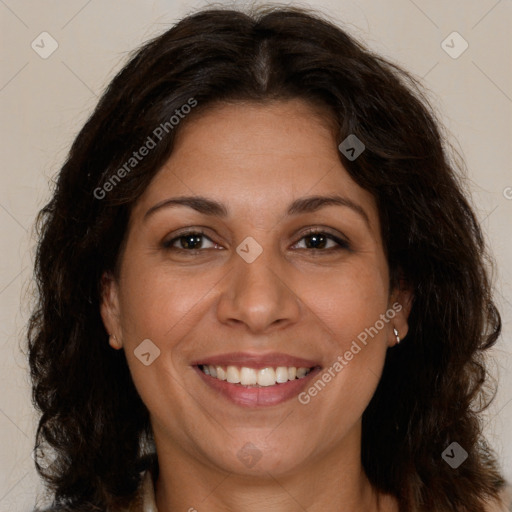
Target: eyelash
x,y
342,244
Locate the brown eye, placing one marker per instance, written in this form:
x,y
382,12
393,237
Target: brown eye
x,y
317,241
320,240
190,241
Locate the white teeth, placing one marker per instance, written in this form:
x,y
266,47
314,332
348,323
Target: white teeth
x,y
281,374
252,377
221,374
248,376
266,377
233,375
301,372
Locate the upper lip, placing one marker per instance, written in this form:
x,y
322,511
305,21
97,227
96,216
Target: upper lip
x,y
257,361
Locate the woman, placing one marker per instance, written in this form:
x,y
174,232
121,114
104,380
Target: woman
x,y
262,286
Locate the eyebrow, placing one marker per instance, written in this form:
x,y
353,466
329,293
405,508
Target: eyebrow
x,y
302,205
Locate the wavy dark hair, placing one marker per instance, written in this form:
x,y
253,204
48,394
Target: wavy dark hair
x,y
94,435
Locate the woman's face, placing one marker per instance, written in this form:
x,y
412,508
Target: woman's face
x,y
232,277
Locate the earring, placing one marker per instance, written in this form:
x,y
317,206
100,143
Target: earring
x,y
114,342
397,337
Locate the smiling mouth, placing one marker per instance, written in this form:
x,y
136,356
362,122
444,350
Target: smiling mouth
x,y
253,377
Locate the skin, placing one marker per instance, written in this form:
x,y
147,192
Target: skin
x,y
307,302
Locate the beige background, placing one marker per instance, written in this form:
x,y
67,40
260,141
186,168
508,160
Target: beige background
x,y
44,102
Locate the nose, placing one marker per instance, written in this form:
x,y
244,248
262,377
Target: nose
x,y
258,296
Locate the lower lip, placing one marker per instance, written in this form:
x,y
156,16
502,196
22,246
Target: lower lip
x,y
258,396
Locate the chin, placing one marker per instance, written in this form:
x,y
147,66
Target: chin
x,y
258,458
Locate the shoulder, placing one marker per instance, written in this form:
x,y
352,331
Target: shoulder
x,y
64,508
54,508
504,503
57,508
144,500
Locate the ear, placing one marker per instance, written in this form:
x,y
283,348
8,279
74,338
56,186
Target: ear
x,y
400,301
109,309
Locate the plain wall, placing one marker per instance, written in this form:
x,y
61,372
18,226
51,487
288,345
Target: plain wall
x,y
44,102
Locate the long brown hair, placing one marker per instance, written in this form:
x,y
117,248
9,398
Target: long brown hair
x,y
94,427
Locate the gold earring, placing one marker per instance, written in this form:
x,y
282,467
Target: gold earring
x,y
397,337
114,342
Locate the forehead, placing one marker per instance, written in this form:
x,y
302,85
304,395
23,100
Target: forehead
x,y
256,156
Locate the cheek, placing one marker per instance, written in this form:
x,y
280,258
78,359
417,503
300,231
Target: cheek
x,y
160,302
164,306
348,306
348,300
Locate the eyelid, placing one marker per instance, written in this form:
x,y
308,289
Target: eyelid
x,y
341,240
168,242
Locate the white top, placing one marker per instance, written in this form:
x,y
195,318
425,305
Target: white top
x,y
145,499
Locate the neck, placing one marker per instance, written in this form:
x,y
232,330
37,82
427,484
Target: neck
x,y
333,481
